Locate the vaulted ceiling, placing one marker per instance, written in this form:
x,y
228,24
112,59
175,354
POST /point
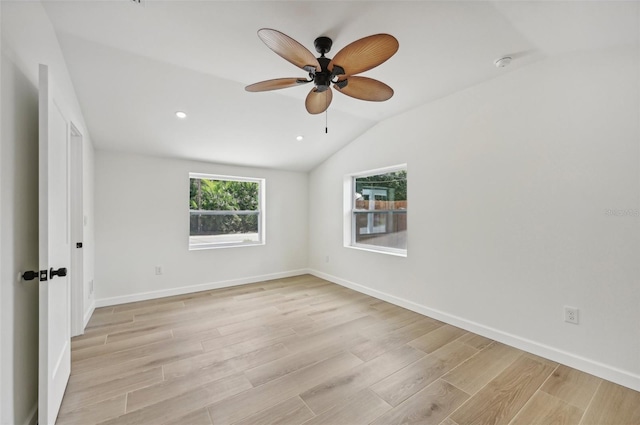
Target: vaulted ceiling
x,y
134,65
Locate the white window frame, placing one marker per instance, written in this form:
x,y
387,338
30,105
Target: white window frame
x,y
261,212
349,228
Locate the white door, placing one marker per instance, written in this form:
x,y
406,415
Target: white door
x,y
55,339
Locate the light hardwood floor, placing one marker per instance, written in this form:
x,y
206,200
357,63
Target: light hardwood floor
x,y
305,351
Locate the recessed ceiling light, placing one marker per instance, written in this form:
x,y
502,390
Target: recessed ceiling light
x,y
300,138
181,114
502,62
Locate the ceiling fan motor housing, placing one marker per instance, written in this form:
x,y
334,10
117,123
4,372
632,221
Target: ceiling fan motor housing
x,y
323,45
322,79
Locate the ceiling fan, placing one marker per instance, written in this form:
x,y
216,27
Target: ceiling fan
x,y
357,57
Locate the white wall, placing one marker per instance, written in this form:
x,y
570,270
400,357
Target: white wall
x,y
27,40
142,220
509,184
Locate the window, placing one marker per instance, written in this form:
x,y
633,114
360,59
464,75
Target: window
x,y
377,210
225,211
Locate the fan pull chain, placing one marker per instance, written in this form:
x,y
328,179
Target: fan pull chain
x,y
326,115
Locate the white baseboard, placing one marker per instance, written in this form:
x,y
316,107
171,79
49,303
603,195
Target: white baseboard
x,y
143,296
88,314
604,371
32,419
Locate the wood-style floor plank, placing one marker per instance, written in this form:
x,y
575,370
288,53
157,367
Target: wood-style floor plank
x,y
264,396
321,324
291,411
103,320
197,417
79,344
139,311
613,405
168,347
381,344
361,408
503,397
294,362
94,413
476,341
545,409
175,385
187,402
437,338
225,358
303,350
249,336
113,347
575,387
91,394
401,385
106,371
479,370
429,406
332,391
343,333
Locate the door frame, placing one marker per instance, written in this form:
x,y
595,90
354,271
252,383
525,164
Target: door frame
x,y
76,228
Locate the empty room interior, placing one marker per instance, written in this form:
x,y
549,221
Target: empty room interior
x,y
441,227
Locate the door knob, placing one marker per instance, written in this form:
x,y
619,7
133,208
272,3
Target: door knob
x,y
62,271
42,275
30,275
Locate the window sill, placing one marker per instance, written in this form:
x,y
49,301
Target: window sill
x,y
221,246
381,250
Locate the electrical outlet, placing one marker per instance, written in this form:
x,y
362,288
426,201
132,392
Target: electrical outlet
x,y
158,270
571,315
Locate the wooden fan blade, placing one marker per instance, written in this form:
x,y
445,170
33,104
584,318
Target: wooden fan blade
x,y
366,53
288,48
364,88
318,102
278,83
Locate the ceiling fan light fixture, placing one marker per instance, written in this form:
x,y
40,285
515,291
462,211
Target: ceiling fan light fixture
x,y
300,138
182,115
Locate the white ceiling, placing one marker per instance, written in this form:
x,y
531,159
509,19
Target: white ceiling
x,y
133,66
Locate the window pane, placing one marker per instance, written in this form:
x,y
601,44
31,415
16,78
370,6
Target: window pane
x,y
387,229
224,195
380,210
381,191
223,212
203,223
